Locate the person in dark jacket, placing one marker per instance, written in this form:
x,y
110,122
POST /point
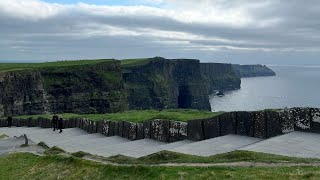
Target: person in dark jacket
x,y
60,124
9,120
55,119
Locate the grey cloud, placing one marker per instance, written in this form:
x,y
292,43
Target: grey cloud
x,y
67,35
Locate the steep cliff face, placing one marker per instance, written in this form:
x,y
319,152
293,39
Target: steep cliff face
x,y
90,88
220,76
22,93
163,84
253,70
96,88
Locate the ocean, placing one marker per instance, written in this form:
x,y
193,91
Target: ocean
x,y
293,86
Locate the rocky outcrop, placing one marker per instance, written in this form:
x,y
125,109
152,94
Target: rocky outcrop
x,y
93,88
253,70
165,84
220,76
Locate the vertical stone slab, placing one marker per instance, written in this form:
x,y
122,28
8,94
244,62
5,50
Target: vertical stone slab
x,y
99,127
116,129
94,127
245,123
140,131
227,123
132,135
112,127
315,120
195,132
14,122
2,123
260,125
174,131
286,121
66,123
211,128
78,122
302,119
183,131
105,127
160,130
273,124
125,129
120,127
147,129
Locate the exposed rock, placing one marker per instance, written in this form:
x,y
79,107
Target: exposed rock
x,y
315,119
112,128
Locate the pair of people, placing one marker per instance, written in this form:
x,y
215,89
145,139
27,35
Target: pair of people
x,y
57,123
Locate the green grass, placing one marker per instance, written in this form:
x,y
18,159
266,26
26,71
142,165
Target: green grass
x,y
134,62
5,67
54,150
236,156
29,166
79,154
141,116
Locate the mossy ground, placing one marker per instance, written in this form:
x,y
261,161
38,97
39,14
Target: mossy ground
x,y
140,116
235,156
29,166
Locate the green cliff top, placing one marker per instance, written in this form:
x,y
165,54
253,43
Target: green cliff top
x,y
141,116
134,62
8,67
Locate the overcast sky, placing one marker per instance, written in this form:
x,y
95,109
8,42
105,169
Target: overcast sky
x,y
236,31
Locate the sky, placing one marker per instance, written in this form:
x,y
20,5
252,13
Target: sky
x,y
284,32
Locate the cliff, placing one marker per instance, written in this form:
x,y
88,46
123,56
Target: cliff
x,y
253,70
220,76
78,87
165,84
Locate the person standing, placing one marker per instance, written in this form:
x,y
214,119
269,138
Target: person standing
x,y
9,120
55,119
60,124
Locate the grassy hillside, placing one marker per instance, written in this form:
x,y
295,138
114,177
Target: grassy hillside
x,y
140,116
5,67
29,166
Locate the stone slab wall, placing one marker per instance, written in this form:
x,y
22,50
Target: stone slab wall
x,y
259,124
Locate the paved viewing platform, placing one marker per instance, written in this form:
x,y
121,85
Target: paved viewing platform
x,y
296,144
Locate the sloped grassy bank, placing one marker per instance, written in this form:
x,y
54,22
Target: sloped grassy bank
x,y
29,166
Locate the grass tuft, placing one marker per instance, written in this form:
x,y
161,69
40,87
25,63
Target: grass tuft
x,y
80,154
43,145
54,151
